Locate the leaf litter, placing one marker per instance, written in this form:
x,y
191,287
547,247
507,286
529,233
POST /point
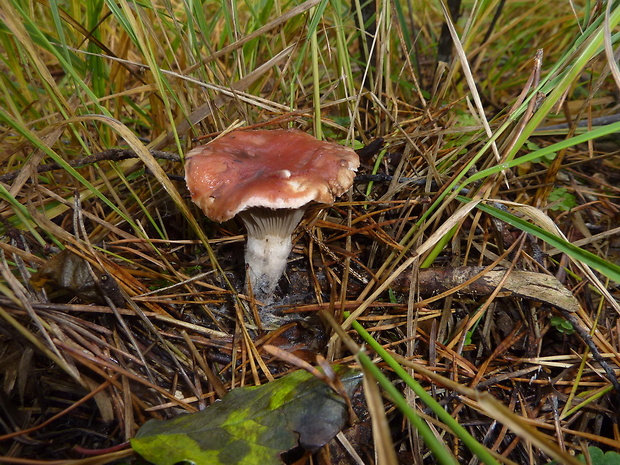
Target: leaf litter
x,y
81,375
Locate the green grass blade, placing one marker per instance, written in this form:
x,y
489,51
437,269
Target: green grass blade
x,y
439,450
608,269
316,75
4,117
23,216
581,138
481,452
571,75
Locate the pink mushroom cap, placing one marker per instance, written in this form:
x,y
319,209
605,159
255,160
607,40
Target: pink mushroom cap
x,y
275,169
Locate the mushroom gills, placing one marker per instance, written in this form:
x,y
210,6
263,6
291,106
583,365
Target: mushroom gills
x,y
268,246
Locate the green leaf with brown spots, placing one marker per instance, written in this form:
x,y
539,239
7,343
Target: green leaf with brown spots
x,y
252,425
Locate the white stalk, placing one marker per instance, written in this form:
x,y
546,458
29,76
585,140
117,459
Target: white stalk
x,y
268,246
266,259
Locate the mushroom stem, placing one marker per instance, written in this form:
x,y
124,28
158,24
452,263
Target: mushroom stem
x,y
266,259
268,246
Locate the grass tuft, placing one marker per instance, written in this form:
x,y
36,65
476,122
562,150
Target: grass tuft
x,y
487,136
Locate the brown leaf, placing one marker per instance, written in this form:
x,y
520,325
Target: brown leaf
x,y
70,272
525,284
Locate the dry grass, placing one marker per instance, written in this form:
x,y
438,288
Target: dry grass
x,y
83,369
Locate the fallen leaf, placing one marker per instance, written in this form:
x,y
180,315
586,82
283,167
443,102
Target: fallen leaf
x,y
525,284
70,272
252,425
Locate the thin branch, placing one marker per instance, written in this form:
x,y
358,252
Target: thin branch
x,y
106,155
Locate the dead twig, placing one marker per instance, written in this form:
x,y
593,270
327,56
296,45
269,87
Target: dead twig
x,y
106,155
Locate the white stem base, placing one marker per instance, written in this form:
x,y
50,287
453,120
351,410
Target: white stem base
x,y
268,247
266,258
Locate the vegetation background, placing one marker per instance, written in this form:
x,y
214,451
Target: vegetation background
x,y
488,137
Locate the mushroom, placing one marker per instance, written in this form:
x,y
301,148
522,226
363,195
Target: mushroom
x,y
267,177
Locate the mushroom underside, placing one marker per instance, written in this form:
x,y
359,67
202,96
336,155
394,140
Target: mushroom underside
x,y
268,246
